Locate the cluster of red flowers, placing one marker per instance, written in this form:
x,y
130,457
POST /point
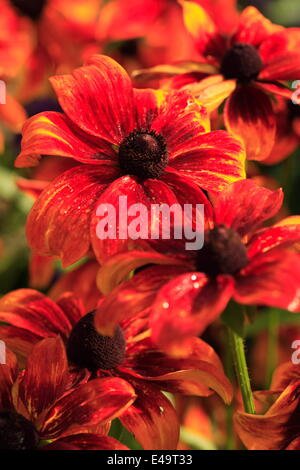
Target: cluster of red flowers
x,y
175,121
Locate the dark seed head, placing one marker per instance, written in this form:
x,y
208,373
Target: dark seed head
x,y
242,62
223,252
143,154
88,349
16,432
31,8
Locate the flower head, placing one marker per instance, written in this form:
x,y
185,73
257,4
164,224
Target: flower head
x,y
249,64
45,402
238,260
151,146
128,355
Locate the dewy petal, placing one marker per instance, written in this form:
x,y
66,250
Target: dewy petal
x,y
216,161
254,27
282,235
8,374
152,419
33,311
85,441
98,97
244,206
52,133
184,307
67,203
249,115
95,402
117,269
127,187
272,279
45,377
132,297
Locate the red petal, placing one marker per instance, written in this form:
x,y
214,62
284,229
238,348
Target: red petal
x,y
132,297
84,278
152,419
41,271
272,237
117,269
98,98
19,340
126,186
34,312
271,279
249,115
8,374
45,377
95,402
52,133
85,441
254,27
181,120
218,160
67,202
244,206
195,375
273,88
185,307
279,53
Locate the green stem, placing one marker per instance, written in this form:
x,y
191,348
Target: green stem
x,y
241,370
273,331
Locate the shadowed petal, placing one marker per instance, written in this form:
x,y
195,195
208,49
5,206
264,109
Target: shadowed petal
x,y
8,374
85,441
249,115
152,419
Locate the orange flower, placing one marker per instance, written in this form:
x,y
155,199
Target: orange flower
x,y
279,427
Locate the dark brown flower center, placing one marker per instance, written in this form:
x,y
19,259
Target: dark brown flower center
x,y
88,349
143,154
31,8
16,432
223,252
242,62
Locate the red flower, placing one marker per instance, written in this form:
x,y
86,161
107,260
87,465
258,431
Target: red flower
x,y
110,127
128,355
44,402
254,61
237,261
279,427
